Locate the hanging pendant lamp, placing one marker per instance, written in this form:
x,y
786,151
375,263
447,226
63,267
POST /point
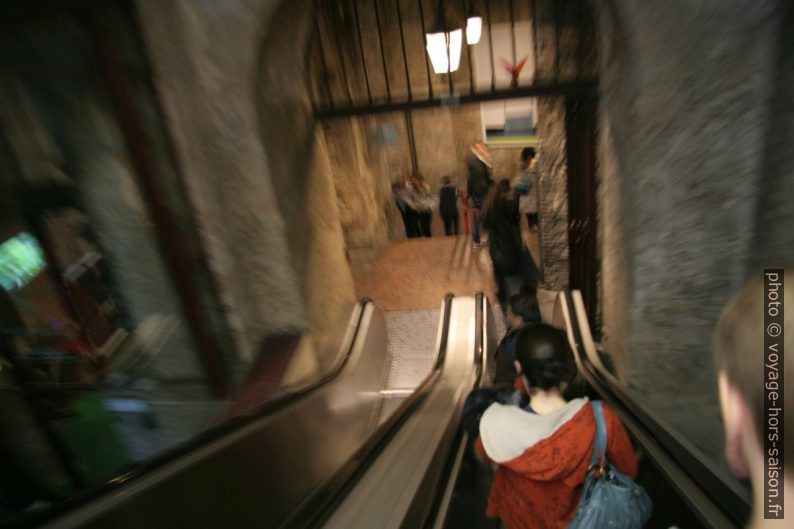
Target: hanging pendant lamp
x,y
473,25
444,44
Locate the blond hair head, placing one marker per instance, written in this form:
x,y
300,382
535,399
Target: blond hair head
x,y
740,352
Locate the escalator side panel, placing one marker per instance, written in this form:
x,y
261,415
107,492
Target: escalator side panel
x,y
688,493
388,494
258,475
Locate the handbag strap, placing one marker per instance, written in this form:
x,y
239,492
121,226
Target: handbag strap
x,y
600,446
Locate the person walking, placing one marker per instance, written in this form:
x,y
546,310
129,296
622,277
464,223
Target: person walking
x,y
402,199
500,218
479,182
424,203
448,206
526,185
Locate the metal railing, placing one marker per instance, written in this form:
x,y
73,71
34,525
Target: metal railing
x,y
343,82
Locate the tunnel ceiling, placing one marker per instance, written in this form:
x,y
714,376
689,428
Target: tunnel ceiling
x,y
368,56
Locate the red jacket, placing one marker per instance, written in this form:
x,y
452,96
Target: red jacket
x,y
543,461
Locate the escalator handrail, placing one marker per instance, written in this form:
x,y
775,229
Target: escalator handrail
x,y
449,474
113,483
732,498
318,507
717,503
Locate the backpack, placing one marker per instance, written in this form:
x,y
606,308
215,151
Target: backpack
x,y
609,498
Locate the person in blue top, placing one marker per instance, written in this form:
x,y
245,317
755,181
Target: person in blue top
x,y
448,206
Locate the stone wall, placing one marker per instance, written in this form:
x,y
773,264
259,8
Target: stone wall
x,y
553,193
232,83
302,175
566,52
327,282
693,130
369,153
506,162
206,61
361,180
443,139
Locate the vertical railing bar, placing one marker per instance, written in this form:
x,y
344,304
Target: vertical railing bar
x,y
409,126
580,40
490,44
382,53
339,53
424,42
405,55
361,47
325,65
534,41
556,42
471,69
513,32
449,55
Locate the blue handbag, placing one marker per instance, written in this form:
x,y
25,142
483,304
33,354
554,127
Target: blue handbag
x,y
609,499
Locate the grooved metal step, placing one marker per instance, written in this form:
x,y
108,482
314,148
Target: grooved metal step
x,y
411,343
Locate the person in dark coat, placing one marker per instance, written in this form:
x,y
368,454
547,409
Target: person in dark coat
x,y
522,310
477,186
500,217
423,203
448,206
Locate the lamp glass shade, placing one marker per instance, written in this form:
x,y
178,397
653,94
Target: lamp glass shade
x,y
445,61
473,30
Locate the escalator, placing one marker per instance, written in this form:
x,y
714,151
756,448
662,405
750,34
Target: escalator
x,y
688,490
358,449
325,455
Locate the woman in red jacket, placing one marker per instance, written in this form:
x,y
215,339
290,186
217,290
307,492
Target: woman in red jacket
x,y
543,450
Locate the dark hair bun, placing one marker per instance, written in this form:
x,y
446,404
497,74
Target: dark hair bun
x,y
545,357
546,375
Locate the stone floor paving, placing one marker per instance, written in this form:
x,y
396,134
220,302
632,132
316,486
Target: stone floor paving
x,y
416,273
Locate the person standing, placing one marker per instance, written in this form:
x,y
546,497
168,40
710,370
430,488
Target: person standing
x,y
408,213
424,203
402,206
543,449
526,185
448,206
500,218
479,182
522,310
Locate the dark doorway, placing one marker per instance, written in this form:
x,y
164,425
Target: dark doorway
x,y
580,125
